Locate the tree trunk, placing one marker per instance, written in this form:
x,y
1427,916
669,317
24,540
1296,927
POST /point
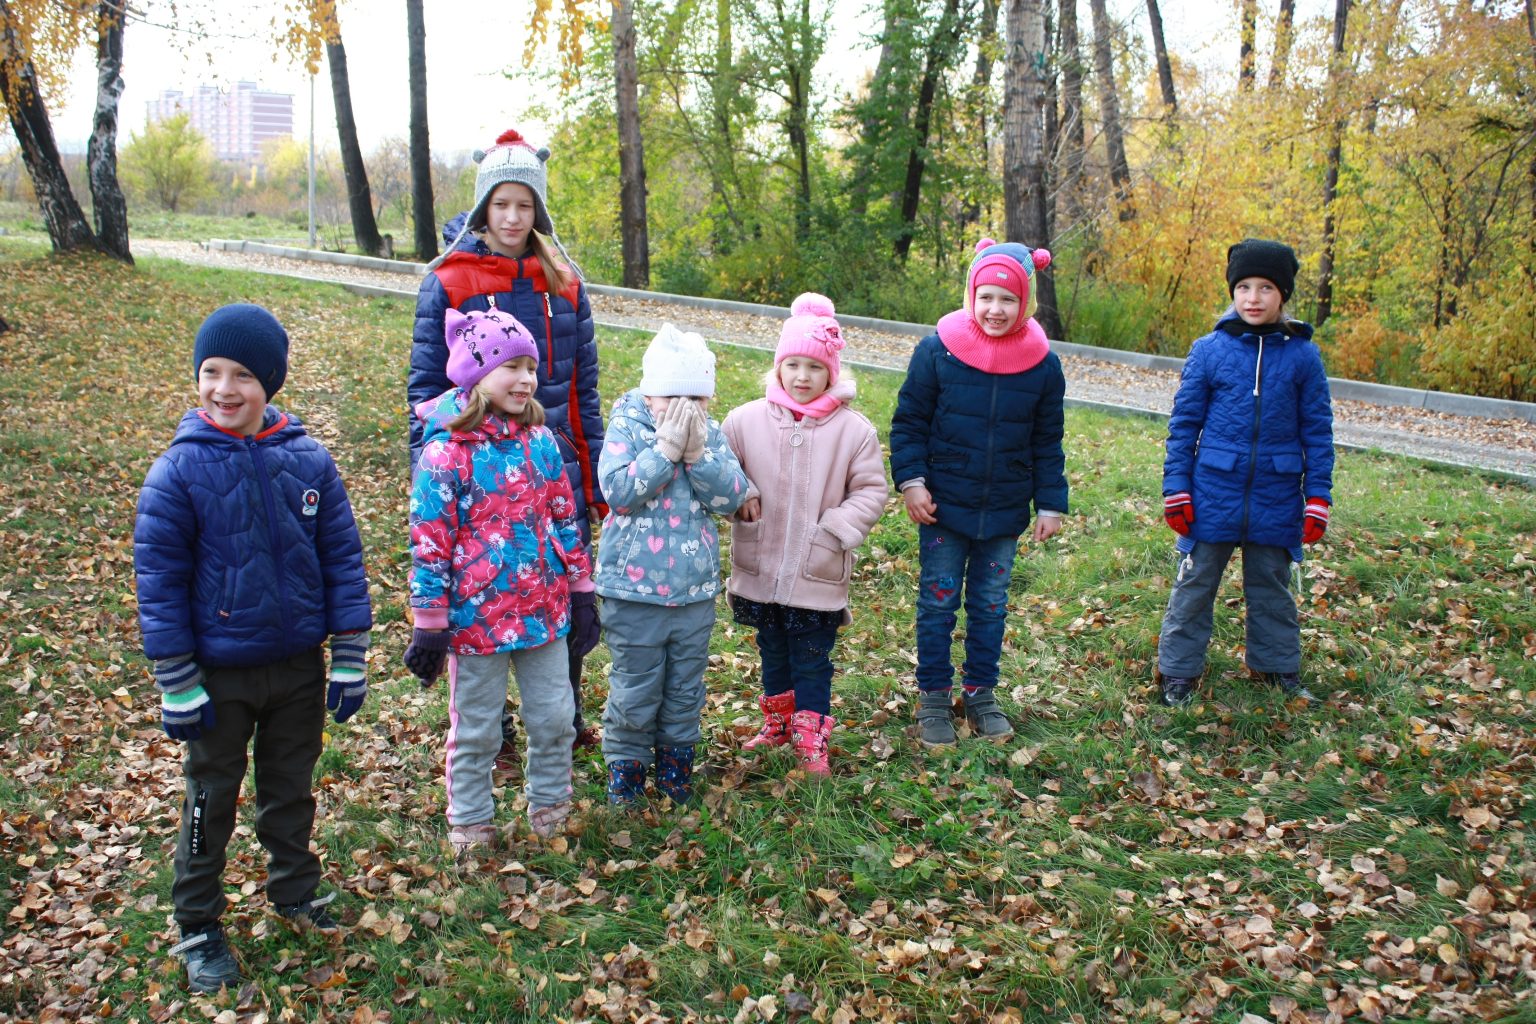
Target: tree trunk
x,y
365,230
1245,59
1114,138
423,213
873,124
941,45
980,102
632,218
108,204
1073,145
1530,265
1284,36
1336,71
1050,106
67,227
1024,185
797,76
1164,68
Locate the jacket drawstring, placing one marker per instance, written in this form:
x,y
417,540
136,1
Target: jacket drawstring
x,y
1258,366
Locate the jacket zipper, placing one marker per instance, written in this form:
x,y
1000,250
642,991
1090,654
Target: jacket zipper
x,y
265,483
1253,443
986,485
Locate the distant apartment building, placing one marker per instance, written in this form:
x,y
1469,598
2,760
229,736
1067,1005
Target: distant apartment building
x,y
235,121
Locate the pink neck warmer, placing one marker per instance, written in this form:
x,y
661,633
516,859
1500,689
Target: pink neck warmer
x,y
1019,350
824,404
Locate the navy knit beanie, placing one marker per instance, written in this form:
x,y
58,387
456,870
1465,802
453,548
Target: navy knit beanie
x,y
1256,257
250,336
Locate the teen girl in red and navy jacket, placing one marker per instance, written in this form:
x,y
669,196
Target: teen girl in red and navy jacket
x,y
506,255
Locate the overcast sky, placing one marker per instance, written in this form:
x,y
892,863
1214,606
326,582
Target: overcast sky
x,y
470,43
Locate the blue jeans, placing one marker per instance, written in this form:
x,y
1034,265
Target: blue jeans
x,y
950,563
799,660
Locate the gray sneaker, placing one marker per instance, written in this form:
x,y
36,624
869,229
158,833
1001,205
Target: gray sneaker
x,y
210,964
1179,691
311,914
1289,683
936,719
986,719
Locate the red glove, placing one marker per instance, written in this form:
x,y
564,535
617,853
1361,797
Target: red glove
x,y
1179,511
1314,520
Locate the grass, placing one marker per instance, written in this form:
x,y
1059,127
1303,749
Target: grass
x,y
1116,861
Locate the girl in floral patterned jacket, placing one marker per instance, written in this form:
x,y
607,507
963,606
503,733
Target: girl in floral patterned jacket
x,y
500,576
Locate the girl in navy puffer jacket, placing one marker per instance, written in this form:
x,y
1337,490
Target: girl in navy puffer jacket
x,y
505,254
1249,463
975,442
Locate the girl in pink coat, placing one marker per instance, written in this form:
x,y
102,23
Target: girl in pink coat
x,y
818,488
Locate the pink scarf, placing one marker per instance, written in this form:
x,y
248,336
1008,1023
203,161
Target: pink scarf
x,y
1020,349
824,404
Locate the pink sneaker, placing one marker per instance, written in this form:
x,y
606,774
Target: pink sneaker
x,y
466,838
810,731
776,714
546,821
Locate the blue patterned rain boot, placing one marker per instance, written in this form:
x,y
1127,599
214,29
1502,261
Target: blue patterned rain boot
x,y
674,772
626,782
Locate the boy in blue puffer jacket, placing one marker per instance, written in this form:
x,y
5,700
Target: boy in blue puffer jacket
x,y
976,452
247,558
1250,449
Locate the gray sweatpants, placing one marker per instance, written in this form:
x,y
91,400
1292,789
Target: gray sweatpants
x,y
477,689
1273,634
656,689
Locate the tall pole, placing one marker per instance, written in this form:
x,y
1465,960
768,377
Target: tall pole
x,y
311,161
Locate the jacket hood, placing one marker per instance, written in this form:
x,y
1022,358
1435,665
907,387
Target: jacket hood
x,y
632,405
1233,324
275,424
436,415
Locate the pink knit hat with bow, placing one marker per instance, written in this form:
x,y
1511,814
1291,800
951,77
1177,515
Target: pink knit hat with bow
x,y
479,342
812,330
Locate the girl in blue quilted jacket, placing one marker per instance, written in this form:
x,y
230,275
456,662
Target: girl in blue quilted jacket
x,y
1248,463
505,254
976,451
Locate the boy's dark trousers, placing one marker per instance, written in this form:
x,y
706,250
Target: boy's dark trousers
x,y
283,706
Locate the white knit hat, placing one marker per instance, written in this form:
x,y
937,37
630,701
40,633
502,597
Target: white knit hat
x,y
677,364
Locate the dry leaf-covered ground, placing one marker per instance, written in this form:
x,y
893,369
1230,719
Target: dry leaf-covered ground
x,y
1239,862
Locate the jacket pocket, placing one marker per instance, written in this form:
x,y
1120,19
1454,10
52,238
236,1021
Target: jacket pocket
x,y
1217,459
825,559
1287,462
226,605
475,575
747,547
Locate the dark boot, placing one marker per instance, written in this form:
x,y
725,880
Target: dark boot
x,y
1178,691
210,964
986,719
507,759
626,782
674,772
1289,683
936,719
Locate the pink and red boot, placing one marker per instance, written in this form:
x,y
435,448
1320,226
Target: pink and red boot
x,y
809,731
777,710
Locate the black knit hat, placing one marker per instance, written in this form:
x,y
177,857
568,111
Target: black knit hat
x,y
1257,257
250,336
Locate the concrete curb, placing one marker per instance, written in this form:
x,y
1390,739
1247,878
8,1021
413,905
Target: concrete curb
x,y
1445,402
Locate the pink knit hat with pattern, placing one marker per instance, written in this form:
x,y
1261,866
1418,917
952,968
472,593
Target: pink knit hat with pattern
x,y
812,330
478,342
1008,265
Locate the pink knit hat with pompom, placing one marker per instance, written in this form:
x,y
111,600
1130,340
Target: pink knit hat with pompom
x,y
812,330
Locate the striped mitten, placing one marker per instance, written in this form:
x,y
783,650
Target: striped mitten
x,y
349,681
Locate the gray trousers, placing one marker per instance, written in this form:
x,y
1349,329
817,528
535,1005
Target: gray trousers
x,y
477,690
282,707
656,689
1273,635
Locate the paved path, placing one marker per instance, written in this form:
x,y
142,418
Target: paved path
x,y
1504,445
